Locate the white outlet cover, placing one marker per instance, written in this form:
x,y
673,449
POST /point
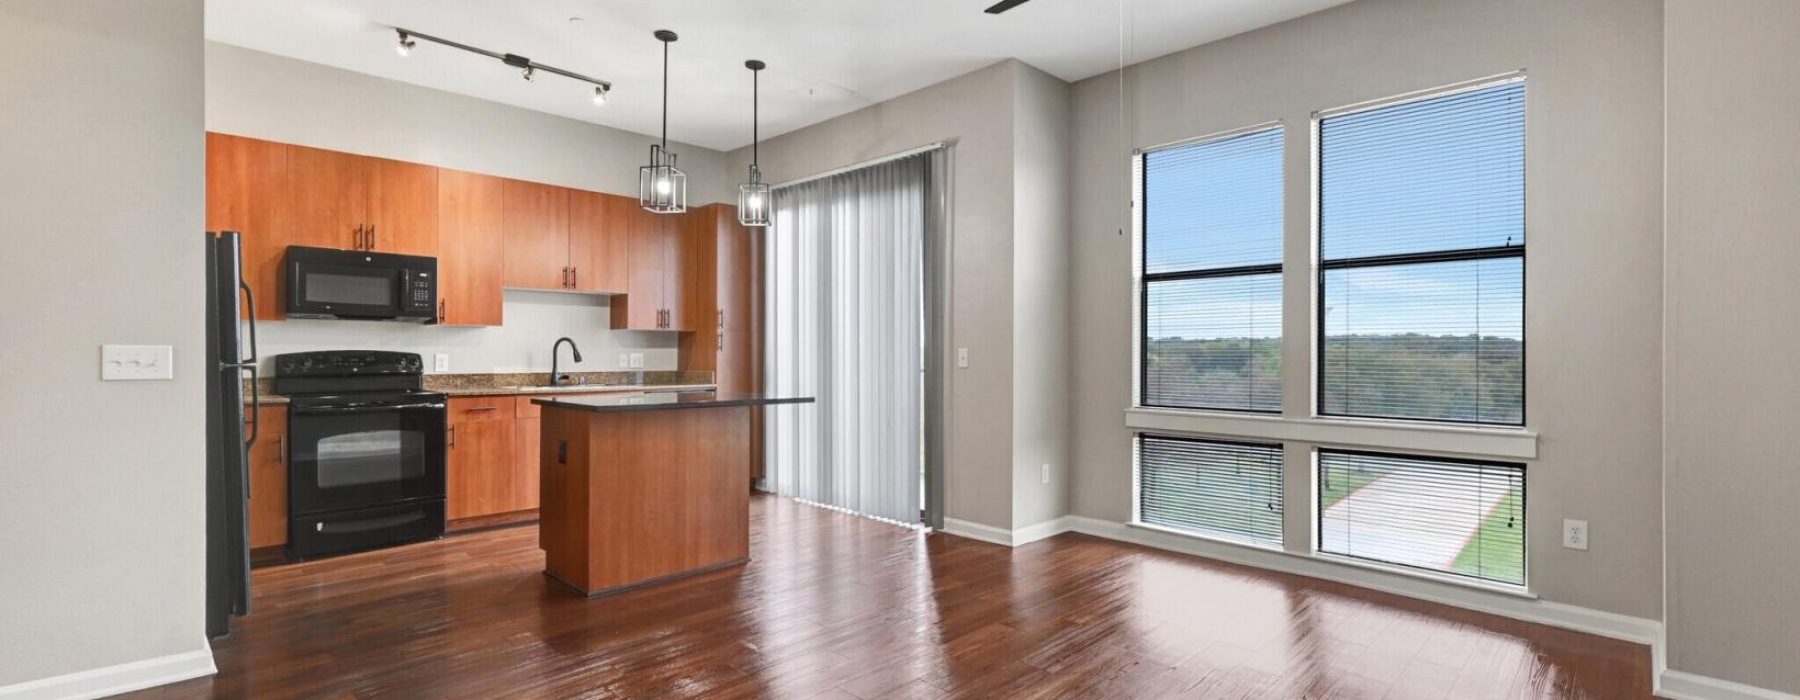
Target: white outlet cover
x,y
440,362
1576,534
137,363
637,360
1046,473
624,359
962,358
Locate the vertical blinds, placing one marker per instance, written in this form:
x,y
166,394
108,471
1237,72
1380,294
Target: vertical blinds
x,y
1422,245
1212,223
1221,489
1457,517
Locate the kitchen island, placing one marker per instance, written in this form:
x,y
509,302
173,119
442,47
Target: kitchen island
x,y
643,488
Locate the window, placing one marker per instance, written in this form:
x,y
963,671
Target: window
x,y
1452,516
1212,274
1422,257
1223,489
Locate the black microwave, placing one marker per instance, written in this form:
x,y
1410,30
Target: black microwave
x,y
354,284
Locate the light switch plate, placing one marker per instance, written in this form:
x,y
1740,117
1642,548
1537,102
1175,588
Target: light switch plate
x,y
962,358
440,362
137,363
637,360
624,360
1575,534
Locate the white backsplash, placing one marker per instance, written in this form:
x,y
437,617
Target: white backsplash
x,y
534,320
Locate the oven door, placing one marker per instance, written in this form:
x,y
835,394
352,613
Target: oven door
x,y
364,452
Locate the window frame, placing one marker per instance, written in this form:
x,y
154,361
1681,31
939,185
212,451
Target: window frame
x,y
1525,531
1140,174
1281,477
1320,266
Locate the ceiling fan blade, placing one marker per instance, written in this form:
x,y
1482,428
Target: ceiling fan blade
x,y
1004,5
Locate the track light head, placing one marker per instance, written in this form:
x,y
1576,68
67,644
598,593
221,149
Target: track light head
x,y
405,47
530,74
600,95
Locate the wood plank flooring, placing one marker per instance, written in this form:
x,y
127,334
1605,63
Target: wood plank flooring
x,y
841,608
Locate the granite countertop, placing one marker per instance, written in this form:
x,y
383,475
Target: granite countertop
x,y
663,400
534,383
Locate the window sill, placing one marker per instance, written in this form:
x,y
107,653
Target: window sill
x,y
1333,560
1510,443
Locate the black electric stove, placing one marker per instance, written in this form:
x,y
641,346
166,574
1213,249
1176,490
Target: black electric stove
x,y
366,451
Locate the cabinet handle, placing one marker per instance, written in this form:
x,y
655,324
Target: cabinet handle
x,y
371,237
721,319
721,342
443,304
574,277
281,449
475,409
452,437
357,238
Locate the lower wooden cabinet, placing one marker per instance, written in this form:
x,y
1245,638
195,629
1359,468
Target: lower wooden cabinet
x,y
268,477
484,476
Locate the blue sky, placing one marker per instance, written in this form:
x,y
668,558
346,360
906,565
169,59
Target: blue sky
x,y
1439,174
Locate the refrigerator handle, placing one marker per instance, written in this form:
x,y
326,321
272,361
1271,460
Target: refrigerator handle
x,y
250,299
255,406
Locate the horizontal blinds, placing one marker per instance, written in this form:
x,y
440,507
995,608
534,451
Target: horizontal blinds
x,y
1440,174
1214,343
1455,517
1212,274
1422,232
1221,489
1213,205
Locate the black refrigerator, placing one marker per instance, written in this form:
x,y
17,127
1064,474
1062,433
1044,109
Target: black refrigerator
x,y
230,354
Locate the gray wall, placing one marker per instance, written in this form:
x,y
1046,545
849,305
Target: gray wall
x,y
1733,297
262,95
976,111
1040,297
1595,224
101,485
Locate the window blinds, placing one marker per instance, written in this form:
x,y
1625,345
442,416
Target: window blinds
x,y
1212,224
1452,516
1422,246
1221,489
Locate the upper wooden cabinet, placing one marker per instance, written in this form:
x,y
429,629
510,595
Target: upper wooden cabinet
x,y
471,249
403,207
246,192
536,224
661,255
599,241
726,308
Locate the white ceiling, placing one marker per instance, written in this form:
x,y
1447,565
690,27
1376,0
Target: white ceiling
x,y
826,57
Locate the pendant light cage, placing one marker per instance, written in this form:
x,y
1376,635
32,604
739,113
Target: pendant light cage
x,y
662,187
753,196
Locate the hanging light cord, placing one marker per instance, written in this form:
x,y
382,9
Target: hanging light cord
x,y
755,115
665,119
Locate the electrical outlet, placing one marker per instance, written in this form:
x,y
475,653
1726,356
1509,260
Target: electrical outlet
x,y
962,358
1046,473
637,360
624,360
1575,534
137,363
440,362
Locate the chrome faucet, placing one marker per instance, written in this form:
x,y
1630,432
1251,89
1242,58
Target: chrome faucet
x,y
557,379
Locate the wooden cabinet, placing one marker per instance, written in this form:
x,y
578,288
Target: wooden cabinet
x,y
246,192
471,249
329,194
536,224
485,475
727,340
599,241
661,256
403,206
268,477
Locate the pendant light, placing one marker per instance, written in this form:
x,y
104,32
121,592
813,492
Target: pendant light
x,y
662,188
753,196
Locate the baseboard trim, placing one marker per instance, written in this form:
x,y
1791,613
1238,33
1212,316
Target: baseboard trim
x,y
113,680
1676,685
978,531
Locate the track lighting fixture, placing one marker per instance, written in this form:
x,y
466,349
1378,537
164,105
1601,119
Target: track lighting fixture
x,y
527,67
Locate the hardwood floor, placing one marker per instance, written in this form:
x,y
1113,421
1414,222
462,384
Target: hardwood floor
x,y
837,607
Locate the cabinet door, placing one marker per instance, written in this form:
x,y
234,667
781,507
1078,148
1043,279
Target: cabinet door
x,y
642,306
599,240
330,195
536,224
403,207
471,249
735,276
268,479
246,192
683,307
524,465
480,457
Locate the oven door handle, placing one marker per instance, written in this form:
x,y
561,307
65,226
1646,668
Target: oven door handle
x,y
367,408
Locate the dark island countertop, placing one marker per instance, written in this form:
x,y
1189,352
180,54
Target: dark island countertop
x,y
664,400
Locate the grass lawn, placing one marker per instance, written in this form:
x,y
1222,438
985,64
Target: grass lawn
x,y
1497,552
1341,482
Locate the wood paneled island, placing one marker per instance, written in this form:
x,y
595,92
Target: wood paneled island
x,y
641,488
